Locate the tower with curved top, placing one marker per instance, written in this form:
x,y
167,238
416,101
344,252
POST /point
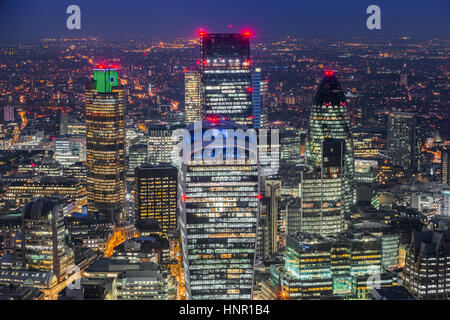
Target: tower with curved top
x,y
328,187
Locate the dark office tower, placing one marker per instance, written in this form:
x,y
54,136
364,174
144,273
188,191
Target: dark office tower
x,y
44,236
322,192
329,118
403,141
155,195
137,155
63,124
219,214
105,144
445,170
259,90
269,218
226,76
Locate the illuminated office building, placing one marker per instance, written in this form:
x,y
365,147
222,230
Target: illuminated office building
x,y
64,124
426,272
155,195
226,76
193,96
445,169
259,105
339,266
105,144
290,146
364,144
160,144
44,238
137,155
219,212
8,114
366,170
403,141
49,167
76,170
70,149
322,192
329,118
50,187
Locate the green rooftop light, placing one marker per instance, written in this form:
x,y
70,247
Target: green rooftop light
x,y
106,78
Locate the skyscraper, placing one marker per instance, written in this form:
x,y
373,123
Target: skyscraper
x,y
219,215
193,106
161,143
329,119
155,195
137,155
259,90
426,272
105,144
44,236
403,141
322,192
8,113
226,76
445,169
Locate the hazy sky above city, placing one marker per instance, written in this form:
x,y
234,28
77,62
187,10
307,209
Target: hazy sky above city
x,y
267,18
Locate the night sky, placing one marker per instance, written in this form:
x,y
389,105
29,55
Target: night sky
x,y
267,18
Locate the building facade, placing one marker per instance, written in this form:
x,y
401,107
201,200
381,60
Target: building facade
x,y
329,119
44,238
219,214
105,144
403,141
226,76
155,195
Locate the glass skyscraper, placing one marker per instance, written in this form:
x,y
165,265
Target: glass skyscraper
x,y
226,76
105,144
403,141
259,90
329,118
193,106
219,217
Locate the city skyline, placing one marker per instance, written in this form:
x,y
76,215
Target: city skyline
x,y
227,161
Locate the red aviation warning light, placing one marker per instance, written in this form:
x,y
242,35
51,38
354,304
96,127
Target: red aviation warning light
x,y
249,89
329,73
201,33
247,33
213,119
102,66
